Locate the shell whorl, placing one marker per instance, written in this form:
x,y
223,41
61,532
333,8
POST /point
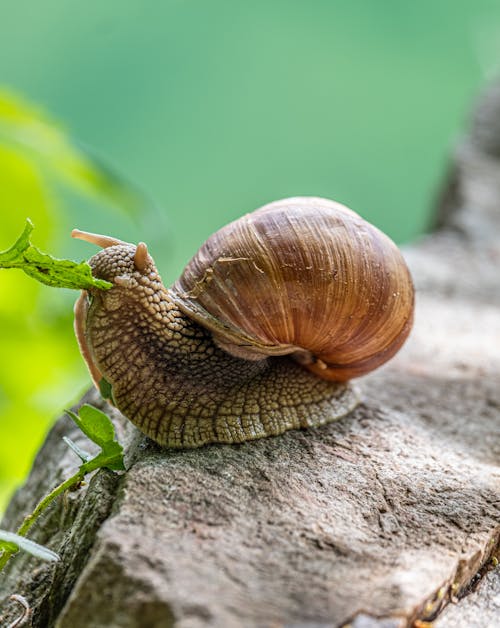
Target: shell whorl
x,y
305,276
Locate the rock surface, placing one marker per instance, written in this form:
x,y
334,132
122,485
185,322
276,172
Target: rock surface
x,y
480,608
379,519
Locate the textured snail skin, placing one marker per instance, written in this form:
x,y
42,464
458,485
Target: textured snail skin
x,y
172,381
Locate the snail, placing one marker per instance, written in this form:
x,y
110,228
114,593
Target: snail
x,y
262,332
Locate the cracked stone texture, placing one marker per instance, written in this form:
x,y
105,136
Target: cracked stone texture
x,y
480,607
376,520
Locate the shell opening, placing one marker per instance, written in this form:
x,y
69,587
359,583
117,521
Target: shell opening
x,y
95,238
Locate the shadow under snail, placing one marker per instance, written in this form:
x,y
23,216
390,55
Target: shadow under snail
x,y
262,332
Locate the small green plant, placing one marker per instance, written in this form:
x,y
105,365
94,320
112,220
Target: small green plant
x,y
97,426
92,422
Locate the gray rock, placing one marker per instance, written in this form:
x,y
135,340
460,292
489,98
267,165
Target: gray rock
x,y
480,608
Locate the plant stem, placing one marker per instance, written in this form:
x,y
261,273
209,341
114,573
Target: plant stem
x,y
42,505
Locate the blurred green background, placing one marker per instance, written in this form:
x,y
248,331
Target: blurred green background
x,y
210,109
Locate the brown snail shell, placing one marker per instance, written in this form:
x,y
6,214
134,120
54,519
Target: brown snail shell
x,y
303,276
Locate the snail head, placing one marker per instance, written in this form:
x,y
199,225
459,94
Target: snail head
x,y
119,262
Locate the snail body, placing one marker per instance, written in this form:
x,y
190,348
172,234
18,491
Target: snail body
x,y
260,334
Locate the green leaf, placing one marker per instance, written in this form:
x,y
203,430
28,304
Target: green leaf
x,y
105,389
94,424
11,541
5,546
47,269
97,426
111,457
